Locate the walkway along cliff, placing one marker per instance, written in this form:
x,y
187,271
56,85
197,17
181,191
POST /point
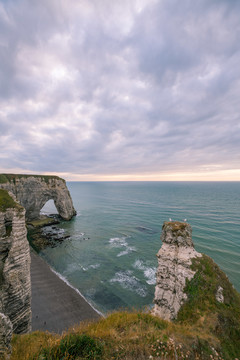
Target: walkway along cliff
x,y
33,191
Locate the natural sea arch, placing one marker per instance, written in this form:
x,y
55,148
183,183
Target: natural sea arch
x,y
49,208
34,191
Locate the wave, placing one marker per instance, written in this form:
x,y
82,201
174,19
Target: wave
x,y
120,242
127,251
148,271
128,281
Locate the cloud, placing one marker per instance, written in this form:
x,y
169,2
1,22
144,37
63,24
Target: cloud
x,y
119,88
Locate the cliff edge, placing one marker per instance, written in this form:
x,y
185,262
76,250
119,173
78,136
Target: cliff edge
x,y
15,284
33,191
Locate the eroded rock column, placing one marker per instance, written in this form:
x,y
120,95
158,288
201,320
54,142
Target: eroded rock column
x,y
174,261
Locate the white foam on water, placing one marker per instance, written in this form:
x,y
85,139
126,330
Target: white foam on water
x,y
149,272
127,251
128,281
94,266
120,242
77,236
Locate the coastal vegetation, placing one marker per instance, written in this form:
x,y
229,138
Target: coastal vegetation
x,y
207,327
219,318
5,178
124,335
7,202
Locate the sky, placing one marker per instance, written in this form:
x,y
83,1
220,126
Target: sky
x,y
120,90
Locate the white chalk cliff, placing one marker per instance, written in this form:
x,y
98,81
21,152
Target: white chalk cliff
x,y
174,261
15,284
33,191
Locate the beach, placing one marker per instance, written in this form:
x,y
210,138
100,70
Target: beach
x,y
55,305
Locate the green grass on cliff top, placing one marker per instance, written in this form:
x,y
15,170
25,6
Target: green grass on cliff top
x,y
202,307
205,329
5,178
6,201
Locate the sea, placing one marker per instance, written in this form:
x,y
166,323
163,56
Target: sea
x,y
110,254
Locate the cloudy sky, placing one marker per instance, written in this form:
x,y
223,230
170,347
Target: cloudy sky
x,y
120,90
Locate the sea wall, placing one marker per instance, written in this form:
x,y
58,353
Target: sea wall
x,y
33,191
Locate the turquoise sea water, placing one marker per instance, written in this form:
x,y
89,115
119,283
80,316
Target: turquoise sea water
x,y
110,255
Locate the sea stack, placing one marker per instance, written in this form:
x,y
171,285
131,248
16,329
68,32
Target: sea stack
x,y
174,262
15,284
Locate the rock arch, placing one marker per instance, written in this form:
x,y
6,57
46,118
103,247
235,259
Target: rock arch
x,y
33,191
49,208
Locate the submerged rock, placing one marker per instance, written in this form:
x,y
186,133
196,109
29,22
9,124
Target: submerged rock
x,y
174,262
33,191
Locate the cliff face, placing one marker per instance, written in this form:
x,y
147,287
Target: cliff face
x,y
15,285
174,262
33,191
5,336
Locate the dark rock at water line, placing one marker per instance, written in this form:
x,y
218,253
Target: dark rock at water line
x,y
146,230
41,238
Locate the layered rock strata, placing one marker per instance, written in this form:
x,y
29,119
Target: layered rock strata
x,y
5,336
15,284
174,262
33,191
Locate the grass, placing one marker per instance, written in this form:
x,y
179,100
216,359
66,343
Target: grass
x,y
122,335
176,225
204,329
221,319
73,346
5,178
7,202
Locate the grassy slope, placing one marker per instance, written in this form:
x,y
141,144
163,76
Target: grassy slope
x,y
220,319
205,328
6,201
5,178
